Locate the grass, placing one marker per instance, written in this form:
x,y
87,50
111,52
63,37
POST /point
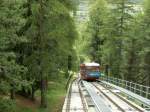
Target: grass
x,y
55,98
56,95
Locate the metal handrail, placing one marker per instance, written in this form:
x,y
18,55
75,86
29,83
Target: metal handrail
x,y
131,86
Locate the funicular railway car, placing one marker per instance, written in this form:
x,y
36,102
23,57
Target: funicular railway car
x,y
90,71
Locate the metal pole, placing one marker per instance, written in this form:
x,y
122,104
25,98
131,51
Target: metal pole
x,y
106,72
147,92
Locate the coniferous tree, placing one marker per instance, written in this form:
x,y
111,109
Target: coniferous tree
x,y
144,51
36,39
95,27
11,71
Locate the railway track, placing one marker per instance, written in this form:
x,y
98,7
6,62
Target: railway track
x,y
74,101
122,104
86,96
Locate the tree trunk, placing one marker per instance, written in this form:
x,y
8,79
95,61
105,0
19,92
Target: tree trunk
x,y
32,93
43,93
41,48
12,92
69,62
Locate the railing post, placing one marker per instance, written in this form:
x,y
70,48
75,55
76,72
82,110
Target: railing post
x,y
118,82
134,88
130,87
114,81
122,83
141,90
106,71
126,84
147,92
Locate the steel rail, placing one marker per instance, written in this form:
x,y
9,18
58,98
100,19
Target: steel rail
x,y
82,98
120,108
133,106
98,101
69,96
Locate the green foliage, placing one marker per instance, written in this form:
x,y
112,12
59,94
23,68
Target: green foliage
x,y
7,105
119,37
11,20
36,39
96,28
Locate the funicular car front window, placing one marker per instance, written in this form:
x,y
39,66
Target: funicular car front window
x,y
92,69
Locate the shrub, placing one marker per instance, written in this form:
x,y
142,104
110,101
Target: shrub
x,y
7,105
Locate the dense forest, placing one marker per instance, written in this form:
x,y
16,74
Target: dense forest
x,y
41,41
117,35
36,45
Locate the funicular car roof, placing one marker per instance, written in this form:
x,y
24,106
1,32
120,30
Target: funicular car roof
x,y
92,64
